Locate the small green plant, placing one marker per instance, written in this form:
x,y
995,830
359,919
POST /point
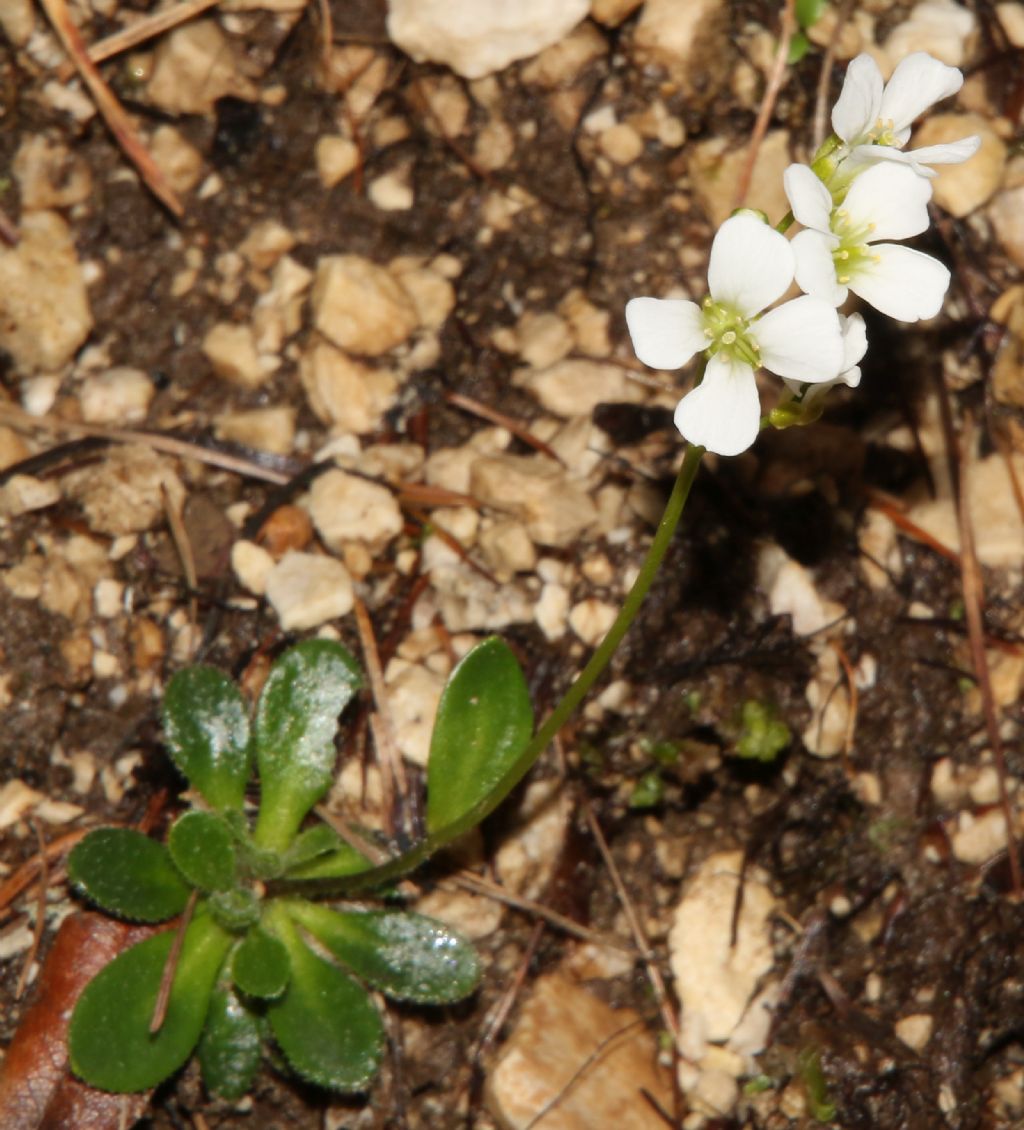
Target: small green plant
x,y
763,734
807,13
257,956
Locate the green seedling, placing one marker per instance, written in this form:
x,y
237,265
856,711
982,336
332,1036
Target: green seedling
x,y
763,734
260,950
807,13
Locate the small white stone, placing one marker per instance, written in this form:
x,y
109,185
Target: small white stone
x,y
916,1030
360,306
413,692
543,339
621,144
392,192
49,175
266,242
17,18
108,598
985,787
347,508
1011,16
962,188
791,591
263,429
495,145
179,161
119,396
307,590
252,565
551,611
507,547
591,619
431,293
940,27
670,33
531,848
336,157
16,800
193,66
611,13
1007,215
232,352
978,839
22,494
575,387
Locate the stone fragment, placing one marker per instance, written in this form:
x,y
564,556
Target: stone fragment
x,y
431,293
1007,215
477,37
495,145
537,491
263,429
576,387
13,448
507,548
530,851
543,339
392,192
193,66
977,839
360,306
252,565
266,243
792,592
232,352
474,916
289,527
345,392
557,67
589,324
277,315
465,600
621,143
717,164
307,590
1008,370
17,18
915,1030
447,104
413,692
179,160
128,492
561,1031
44,308
828,696
940,27
21,494
16,800
49,175
611,13
590,619
1011,16
962,188
672,34
119,396
346,508
336,157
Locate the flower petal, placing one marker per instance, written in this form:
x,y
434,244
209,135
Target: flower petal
x,y
751,264
801,340
855,345
892,198
904,284
815,271
918,82
856,109
666,332
723,413
946,153
810,200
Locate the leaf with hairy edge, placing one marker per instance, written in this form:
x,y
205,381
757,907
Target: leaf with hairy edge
x,y
206,725
296,720
260,966
203,850
109,1038
229,1048
408,956
128,874
484,721
325,1024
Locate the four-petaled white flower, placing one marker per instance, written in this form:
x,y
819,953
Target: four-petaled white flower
x,y
751,266
874,120
839,249
855,345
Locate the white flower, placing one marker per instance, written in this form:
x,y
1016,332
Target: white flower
x,y
751,266
874,121
839,250
855,345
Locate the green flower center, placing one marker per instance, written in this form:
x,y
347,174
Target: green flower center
x,y
854,252
884,133
728,332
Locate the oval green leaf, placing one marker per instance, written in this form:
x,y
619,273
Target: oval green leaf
x,y
260,966
229,1048
206,725
203,850
128,874
484,721
109,1038
296,720
325,1024
407,956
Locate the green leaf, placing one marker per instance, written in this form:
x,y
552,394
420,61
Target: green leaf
x,y
808,12
799,45
229,1048
340,861
484,721
764,736
207,729
296,720
325,1024
236,909
408,956
128,874
260,966
109,1038
203,850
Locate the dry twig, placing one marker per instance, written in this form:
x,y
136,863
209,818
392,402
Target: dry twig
x,y
40,924
163,995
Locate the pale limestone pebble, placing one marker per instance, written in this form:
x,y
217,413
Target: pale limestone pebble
x,y
450,467
277,315
49,175
948,785
1006,213
962,188
611,13
792,592
119,396
495,145
128,492
392,191
13,447
984,789
1008,370
108,598
413,692
44,307
474,916
538,492
591,618
621,144
460,522
880,556
575,386
854,35
58,811
431,292
116,779
562,1030
23,494
336,157
15,941
977,839
17,20
347,508
715,168
542,339
506,547
231,350
394,463
998,529
358,74
1011,18
560,64
588,323
447,104
532,845
193,66
1006,675
658,124
262,429
17,800
551,612
178,159
360,306
307,590
475,38
266,242
252,565
66,97
829,699
589,961
466,601
867,787
940,27
674,35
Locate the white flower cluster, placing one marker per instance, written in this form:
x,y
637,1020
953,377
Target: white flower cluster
x,y
861,191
